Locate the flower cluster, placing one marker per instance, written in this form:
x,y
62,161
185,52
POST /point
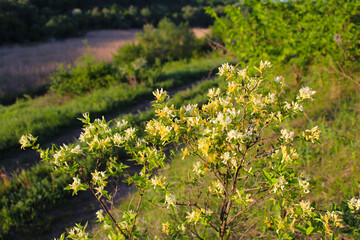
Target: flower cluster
x,y
312,135
78,232
27,141
354,204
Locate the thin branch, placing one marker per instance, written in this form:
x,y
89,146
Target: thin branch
x,y
137,213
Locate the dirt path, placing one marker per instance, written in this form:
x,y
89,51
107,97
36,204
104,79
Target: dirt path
x,y
26,68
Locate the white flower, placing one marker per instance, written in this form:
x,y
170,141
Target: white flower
x,y
354,203
76,150
26,140
242,72
312,134
207,212
158,181
99,190
304,184
225,68
99,215
233,112
305,93
170,200
85,115
194,216
214,92
78,232
197,168
295,106
287,135
168,112
281,184
306,207
225,157
287,106
264,65
223,121
182,228
129,133
98,176
118,139
160,95
271,98
279,79
75,185
121,124
234,134
217,188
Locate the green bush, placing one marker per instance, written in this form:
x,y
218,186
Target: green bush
x,y
301,33
85,76
23,197
128,53
167,41
62,26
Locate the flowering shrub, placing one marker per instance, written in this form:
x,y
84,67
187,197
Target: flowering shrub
x,y
244,182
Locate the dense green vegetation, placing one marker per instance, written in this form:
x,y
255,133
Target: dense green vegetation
x,y
301,34
34,20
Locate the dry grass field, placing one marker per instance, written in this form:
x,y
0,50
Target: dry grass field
x,y
27,68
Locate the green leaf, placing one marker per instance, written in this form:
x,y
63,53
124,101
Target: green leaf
x,y
309,230
266,175
276,129
301,229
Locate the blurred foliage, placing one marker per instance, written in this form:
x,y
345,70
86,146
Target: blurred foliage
x,y
299,33
86,75
34,20
166,42
26,194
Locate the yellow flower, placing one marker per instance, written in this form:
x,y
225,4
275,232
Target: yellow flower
x,y
185,152
312,134
166,228
160,95
204,145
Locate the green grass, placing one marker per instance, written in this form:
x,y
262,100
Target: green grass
x,y
335,164
49,115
